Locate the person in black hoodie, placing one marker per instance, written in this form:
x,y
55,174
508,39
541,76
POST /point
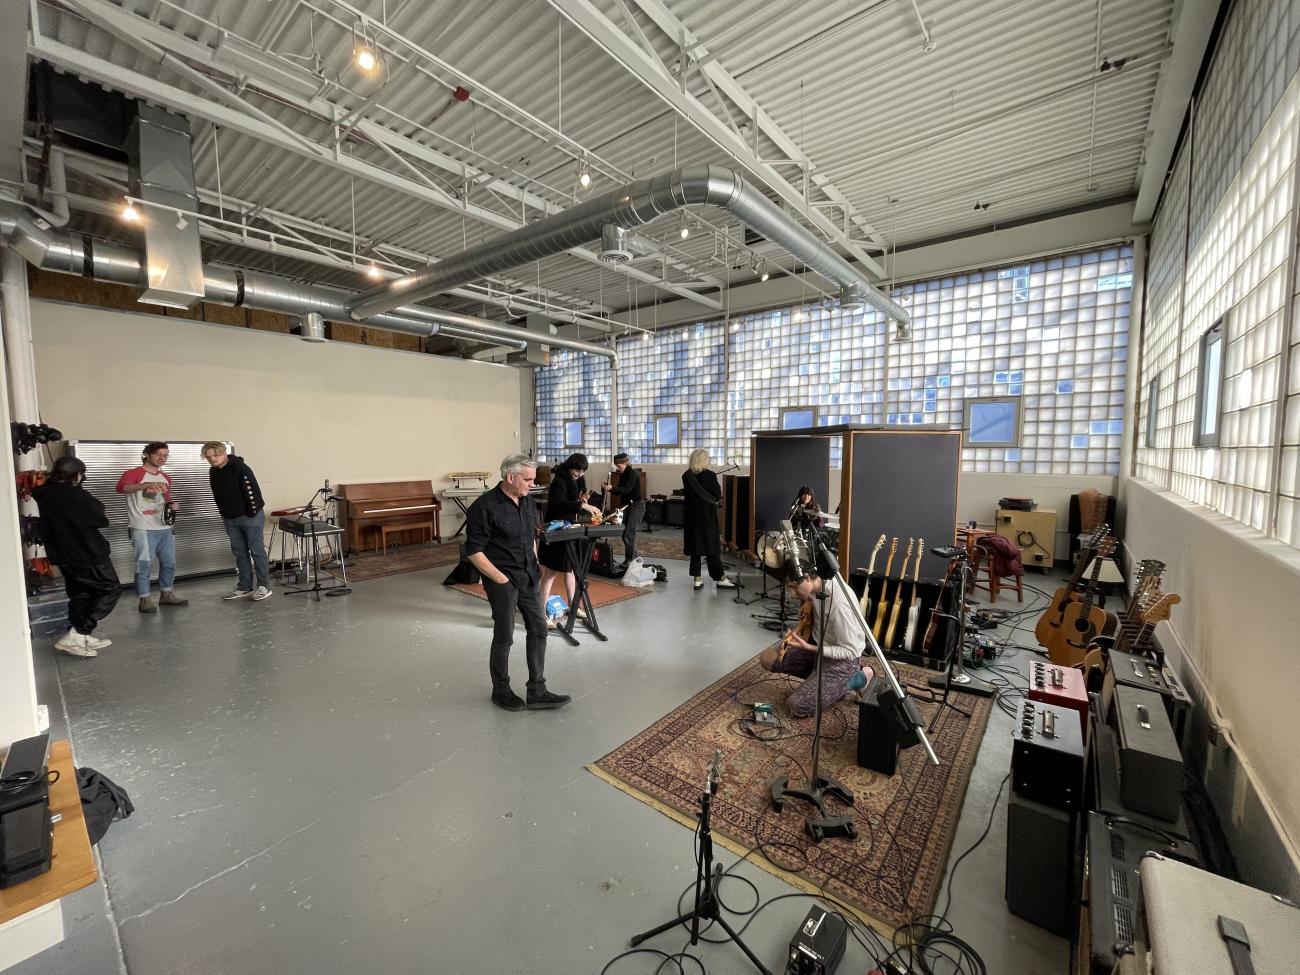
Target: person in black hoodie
x,y
239,499
565,498
70,521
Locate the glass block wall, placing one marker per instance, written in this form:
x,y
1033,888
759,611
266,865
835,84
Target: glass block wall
x,y
574,386
1053,333
1229,206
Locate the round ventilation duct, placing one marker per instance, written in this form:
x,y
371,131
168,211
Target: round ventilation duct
x,y
613,245
313,327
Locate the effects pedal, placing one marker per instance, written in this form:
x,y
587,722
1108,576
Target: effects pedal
x,y
818,945
764,714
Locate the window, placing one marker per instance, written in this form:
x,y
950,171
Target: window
x,y
573,433
1209,388
668,430
798,417
1153,400
993,421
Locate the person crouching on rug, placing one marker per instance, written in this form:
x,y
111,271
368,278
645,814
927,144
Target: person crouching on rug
x,y
845,639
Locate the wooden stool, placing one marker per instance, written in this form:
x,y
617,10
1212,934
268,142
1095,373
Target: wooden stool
x,y
991,581
404,526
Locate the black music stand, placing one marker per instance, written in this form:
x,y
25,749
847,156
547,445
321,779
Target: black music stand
x,y
579,548
316,530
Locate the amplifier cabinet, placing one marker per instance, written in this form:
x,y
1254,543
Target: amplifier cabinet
x,y
1104,786
1047,756
1033,532
1114,852
1135,670
1062,687
1184,908
1041,843
675,511
877,734
1150,765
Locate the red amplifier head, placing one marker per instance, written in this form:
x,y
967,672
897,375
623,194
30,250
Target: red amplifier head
x,y
1062,686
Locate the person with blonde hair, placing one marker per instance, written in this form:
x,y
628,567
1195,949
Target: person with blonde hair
x,y
701,537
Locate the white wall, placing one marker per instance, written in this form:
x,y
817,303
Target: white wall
x,y
298,412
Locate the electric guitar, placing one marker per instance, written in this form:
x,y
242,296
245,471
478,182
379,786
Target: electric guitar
x,y
1149,573
884,590
935,614
1159,609
914,610
1049,624
1082,621
865,603
898,598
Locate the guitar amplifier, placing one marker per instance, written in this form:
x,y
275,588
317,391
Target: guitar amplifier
x,y
1103,786
603,562
1062,687
674,512
1047,756
1115,850
877,733
1199,922
1150,764
654,511
26,837
1040,875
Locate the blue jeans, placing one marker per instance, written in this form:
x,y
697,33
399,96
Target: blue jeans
x,y
249,547
160,544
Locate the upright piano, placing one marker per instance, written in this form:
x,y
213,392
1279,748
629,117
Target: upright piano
x,y
397,512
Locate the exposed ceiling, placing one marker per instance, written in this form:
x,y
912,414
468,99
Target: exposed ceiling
x,y
879,124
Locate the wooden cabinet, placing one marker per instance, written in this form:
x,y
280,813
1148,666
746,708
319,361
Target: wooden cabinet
x,y
1034,531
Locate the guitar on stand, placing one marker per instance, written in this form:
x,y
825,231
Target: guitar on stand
x,y
884,590
1049,624
936,613
1081,622
865,603
914,610
898,598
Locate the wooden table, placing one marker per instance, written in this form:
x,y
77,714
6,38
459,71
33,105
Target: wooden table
x,y
73,865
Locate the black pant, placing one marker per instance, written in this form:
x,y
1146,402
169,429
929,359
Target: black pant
x,y
93,591
504,597
715,565
632,519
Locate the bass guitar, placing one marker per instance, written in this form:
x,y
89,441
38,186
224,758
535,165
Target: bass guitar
x,y
1049,623
865,603
914,610
1082,621
897,608
884,590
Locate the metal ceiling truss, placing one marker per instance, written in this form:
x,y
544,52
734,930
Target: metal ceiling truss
x,y
639,57
240,116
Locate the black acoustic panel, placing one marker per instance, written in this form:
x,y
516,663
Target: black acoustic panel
x,y
782,465
904,484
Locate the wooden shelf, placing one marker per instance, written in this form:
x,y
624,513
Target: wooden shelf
x,y
73,865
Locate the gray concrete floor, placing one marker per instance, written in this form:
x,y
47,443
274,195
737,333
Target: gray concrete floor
x,y
324,788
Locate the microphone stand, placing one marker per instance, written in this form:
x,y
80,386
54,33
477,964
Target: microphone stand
x,y
955,677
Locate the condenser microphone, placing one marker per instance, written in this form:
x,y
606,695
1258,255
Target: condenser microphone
x,y
791,549
715,771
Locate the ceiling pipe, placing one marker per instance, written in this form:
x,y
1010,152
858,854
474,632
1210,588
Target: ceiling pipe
x,y
101,260
633,205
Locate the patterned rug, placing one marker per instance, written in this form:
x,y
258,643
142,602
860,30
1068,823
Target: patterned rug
x,y
663,543
398,559
603,593
892,871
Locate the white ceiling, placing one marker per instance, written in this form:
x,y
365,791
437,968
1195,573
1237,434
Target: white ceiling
x,y
1017,110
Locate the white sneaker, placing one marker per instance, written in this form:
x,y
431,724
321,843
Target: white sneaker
x,y
97,643
74,644
261,593
238,594
725,583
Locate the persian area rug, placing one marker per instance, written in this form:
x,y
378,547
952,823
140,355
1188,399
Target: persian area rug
x,y
892,872
398,559
662,543
602,592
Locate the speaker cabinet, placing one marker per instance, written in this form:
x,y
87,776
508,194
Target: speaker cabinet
x,y
1041,845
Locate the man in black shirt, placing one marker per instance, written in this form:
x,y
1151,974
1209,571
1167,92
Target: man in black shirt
x,y
627,491
501,542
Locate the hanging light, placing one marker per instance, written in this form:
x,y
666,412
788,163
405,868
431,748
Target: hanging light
x,y
129,213
364,54
373,272
181,222
584,174
645,336
764,276
685,231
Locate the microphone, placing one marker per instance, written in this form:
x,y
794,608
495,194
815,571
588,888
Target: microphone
x,y
715,771
791,549
327,485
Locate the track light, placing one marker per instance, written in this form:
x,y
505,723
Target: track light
x,y
129,213
374,273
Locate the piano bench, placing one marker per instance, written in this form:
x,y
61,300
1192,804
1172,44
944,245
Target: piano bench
x,y
403,526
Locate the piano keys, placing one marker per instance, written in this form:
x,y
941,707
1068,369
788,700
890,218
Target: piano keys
x,y
388,512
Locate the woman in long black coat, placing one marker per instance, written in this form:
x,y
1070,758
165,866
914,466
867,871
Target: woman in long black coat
x,y
563,501
701,538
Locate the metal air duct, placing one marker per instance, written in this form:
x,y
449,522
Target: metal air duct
x,y
632,206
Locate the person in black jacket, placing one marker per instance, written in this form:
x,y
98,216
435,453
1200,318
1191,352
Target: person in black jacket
x,y
239,499
566,497
627,494
701,537
70,521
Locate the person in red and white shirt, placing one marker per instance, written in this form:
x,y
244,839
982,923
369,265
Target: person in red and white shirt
x,y
148,491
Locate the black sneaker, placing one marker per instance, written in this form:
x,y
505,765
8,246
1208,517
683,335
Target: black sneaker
x,y
540,700
508,699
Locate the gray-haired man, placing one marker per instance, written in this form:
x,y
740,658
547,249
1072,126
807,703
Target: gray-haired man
x,y
501,541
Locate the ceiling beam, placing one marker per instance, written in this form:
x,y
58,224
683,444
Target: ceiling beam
x,y
609,37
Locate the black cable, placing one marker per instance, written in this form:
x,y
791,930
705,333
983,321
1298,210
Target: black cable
x,y
970,849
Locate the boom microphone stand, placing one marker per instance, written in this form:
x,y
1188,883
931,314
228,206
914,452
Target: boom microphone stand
x,y
708,876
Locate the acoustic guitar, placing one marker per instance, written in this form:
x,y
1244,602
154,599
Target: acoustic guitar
x,y
1049,623
1082,621
897,608
914,610
935,614
884,590
803,628
865,603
